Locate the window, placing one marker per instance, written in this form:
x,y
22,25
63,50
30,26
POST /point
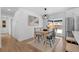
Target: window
x,y
59,31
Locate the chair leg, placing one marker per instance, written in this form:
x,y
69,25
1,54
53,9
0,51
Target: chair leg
x,y
50,42
44,42
38,39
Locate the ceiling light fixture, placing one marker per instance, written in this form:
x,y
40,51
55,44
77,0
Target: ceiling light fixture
x,y
45,16
9,9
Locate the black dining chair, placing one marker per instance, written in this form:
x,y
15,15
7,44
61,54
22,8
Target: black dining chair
x,y
50,38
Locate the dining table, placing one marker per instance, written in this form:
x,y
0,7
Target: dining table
x,y
43,34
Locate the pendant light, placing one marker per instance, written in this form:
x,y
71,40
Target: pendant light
x,y
45,16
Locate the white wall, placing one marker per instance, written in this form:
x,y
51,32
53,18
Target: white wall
x,y
0,27
7,29
20,29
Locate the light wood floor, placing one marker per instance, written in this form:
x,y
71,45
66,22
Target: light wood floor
x,y
11,45
70,47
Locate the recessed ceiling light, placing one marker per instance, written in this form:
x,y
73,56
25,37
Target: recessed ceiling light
x,y
9,9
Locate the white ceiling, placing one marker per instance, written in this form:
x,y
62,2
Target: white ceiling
x,y
8,11
50,10
38,10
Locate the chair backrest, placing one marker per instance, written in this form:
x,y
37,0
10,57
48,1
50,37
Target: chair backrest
x,y
38,29
51,34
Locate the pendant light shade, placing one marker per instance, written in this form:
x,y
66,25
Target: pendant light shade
x,y
45,16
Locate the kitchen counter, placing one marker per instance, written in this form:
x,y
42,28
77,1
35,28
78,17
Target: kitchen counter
x,y
76,35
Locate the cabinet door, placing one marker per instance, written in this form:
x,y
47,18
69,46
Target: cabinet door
x,y
70,26
0,23
77,23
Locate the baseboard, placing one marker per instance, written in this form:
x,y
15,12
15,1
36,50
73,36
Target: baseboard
x,y
30,39
72,42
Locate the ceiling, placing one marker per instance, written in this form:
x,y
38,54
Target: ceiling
x,y
10,11
50,10
38,10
